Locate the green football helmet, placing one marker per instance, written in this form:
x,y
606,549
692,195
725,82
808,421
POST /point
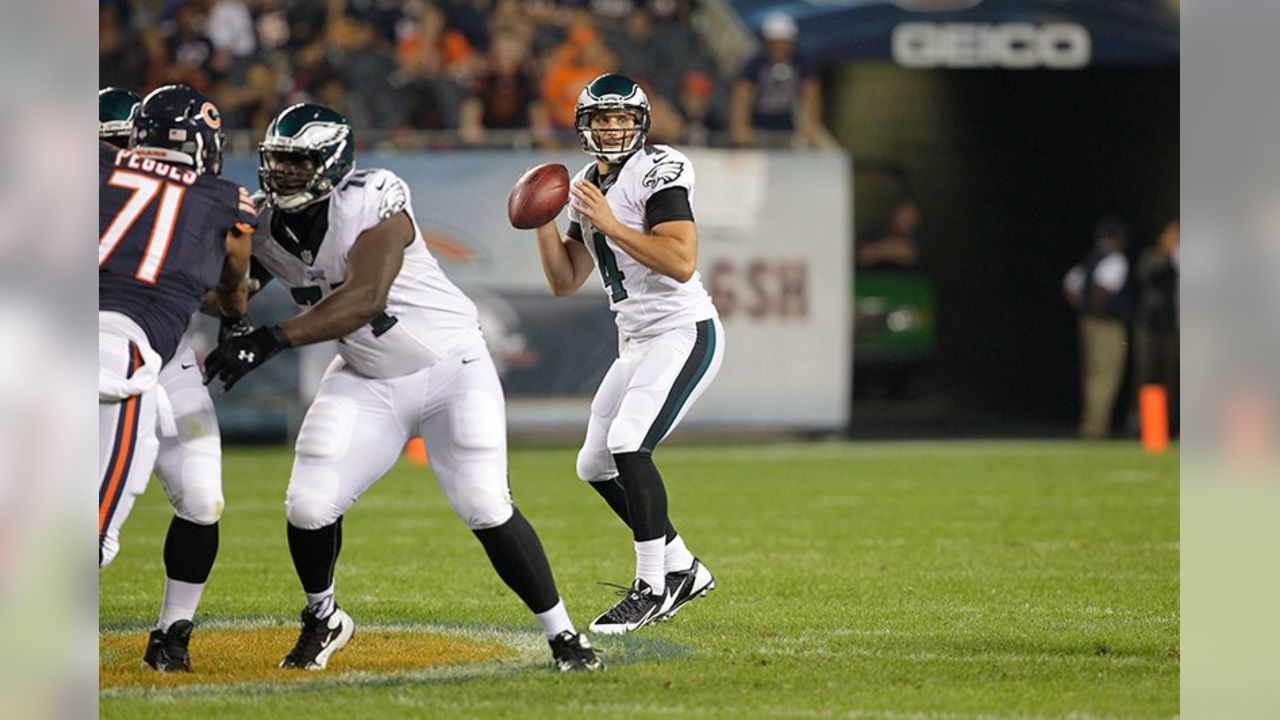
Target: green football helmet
x,y
307,151
116,108
616,93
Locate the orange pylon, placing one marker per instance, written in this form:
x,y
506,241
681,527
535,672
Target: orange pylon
x,y
416,452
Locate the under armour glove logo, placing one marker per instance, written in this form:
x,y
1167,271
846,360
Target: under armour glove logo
x,y
236,356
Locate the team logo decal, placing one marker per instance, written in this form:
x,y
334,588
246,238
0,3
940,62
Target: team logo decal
x,y
393,201
663,173
320,134
210,113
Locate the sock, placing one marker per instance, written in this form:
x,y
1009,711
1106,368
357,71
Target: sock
x,y
554,621
646,496
649,563
676,556
315,553
516,553
613,494
189,551
180,602
323,603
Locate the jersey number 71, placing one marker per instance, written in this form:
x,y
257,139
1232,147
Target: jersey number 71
x,y
144,190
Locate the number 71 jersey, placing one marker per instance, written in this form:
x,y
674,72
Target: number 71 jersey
x,y
162,232
654,185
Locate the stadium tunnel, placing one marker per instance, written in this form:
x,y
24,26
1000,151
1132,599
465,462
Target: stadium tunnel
x,y
1014,125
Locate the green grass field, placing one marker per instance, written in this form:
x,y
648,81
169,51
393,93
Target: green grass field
x,y
955,579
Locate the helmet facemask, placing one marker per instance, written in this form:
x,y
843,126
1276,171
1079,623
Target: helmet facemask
x,y
301,170
292,179
612,93
612,144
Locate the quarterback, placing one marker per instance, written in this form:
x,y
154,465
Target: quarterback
x,y
631,217
411,362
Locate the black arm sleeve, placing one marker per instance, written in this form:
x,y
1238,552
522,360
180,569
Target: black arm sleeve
x,y
575,231
667,205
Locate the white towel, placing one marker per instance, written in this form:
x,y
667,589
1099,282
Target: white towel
x,y
115,387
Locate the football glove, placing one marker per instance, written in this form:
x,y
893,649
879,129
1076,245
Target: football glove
x,y
236,356
234,328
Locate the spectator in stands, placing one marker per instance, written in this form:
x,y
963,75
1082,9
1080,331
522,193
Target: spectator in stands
x,y
120,60
471,18
777,90
512,18
431,42
897,245
313,74
578,61
252,99
365,64
436,64
697,104
230,29
1097,289
504,95
1155,333
189,52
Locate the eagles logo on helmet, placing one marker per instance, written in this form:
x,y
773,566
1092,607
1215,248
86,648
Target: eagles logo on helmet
x,y
612,92
307,151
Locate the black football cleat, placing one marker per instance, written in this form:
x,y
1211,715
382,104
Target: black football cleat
x,y
639,606
319,640
687,585
573,653
167,650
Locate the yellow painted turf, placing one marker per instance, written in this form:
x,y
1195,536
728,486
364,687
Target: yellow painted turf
x,y
234,656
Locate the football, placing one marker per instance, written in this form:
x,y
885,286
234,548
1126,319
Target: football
x,y
538,196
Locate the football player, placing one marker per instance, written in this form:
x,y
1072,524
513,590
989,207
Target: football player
x,y
631,216
411,362
189,463
169,231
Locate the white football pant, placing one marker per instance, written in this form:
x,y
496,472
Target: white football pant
x,y
126,433
647,392
189,464
357,427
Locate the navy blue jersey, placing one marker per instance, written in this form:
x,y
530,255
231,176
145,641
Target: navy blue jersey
x,y
162,240
778,89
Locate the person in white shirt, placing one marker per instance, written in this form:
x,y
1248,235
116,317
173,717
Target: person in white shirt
x,y
1097,288
631,217
411,362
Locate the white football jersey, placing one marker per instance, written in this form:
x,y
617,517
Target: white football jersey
x,y
427,317
645,302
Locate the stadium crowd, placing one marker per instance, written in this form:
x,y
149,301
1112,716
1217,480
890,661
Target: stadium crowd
x,y
421,73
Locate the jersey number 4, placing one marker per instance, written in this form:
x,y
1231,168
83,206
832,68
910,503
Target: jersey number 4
x,y
609,267
144,190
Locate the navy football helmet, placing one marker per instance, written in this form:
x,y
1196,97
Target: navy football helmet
x,y
179,124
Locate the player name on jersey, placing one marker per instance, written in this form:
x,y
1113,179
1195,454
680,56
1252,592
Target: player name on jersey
x,y
134,161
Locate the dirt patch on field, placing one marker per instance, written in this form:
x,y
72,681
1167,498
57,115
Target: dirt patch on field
x,y
229,656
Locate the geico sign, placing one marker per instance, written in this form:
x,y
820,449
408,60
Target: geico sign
x,y
1006,45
